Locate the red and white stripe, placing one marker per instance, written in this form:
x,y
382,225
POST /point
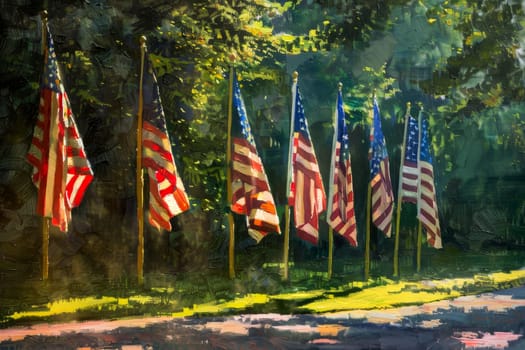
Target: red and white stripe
x,y
251,194
166,190
61,171
341,214
382,200
409,181
307,195
427,205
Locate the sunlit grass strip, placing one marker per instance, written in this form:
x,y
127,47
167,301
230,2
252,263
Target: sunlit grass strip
x,y
412,293
67,306
70,306
501,277
213,308
387,294
380,297
299,295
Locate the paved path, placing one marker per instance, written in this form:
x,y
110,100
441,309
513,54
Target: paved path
x,y
487,321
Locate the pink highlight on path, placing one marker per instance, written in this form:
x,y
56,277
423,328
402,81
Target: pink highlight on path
x,y
19,333
264,317
496,340
324,341
296,328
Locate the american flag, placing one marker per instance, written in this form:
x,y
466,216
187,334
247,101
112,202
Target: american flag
x,y
307,194
341,215
382,196
409,168
251,195
61,171
167,196
426,202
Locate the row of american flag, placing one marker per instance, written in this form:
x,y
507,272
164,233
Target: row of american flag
x,y
62,173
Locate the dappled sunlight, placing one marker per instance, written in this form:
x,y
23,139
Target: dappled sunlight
x,y
67,306
390,301
214,308
482,340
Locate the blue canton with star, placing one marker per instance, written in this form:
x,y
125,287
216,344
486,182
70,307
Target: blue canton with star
x,y
240,108
300,123
153,111
377,144
342,130
426,155
51,78
412,140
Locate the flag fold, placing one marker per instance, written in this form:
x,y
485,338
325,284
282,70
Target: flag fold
x,y
61,170
340,213
306,190
167,195
426,202
382,203
251,195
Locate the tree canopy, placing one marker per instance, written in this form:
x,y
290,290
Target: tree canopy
x,y
463,60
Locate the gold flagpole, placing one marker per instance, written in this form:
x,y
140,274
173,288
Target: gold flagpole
x,y
399,196
231,247
330,251
43,16
140,179
367,237
419,238
286,246
419,226
368,213
45,220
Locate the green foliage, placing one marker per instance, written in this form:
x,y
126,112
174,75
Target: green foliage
x,y
473,74
461,57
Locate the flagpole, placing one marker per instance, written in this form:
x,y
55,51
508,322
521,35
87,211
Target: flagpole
x,y
45,220
419,226
330,251
139,172
399,196
368,216
419,238
367,237
286,246
231,223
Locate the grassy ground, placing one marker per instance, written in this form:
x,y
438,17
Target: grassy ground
x,y
260,290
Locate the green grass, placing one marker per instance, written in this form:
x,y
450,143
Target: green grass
x,y
260,290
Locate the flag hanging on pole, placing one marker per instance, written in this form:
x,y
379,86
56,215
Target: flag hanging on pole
x,y
426,201
409,166
251,195
167,196
382,202
341,215
61,171
307,194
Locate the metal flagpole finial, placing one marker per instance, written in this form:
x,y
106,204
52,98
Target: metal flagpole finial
x,y
409,105
420,104
340,86
44,15
143,40
295,76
